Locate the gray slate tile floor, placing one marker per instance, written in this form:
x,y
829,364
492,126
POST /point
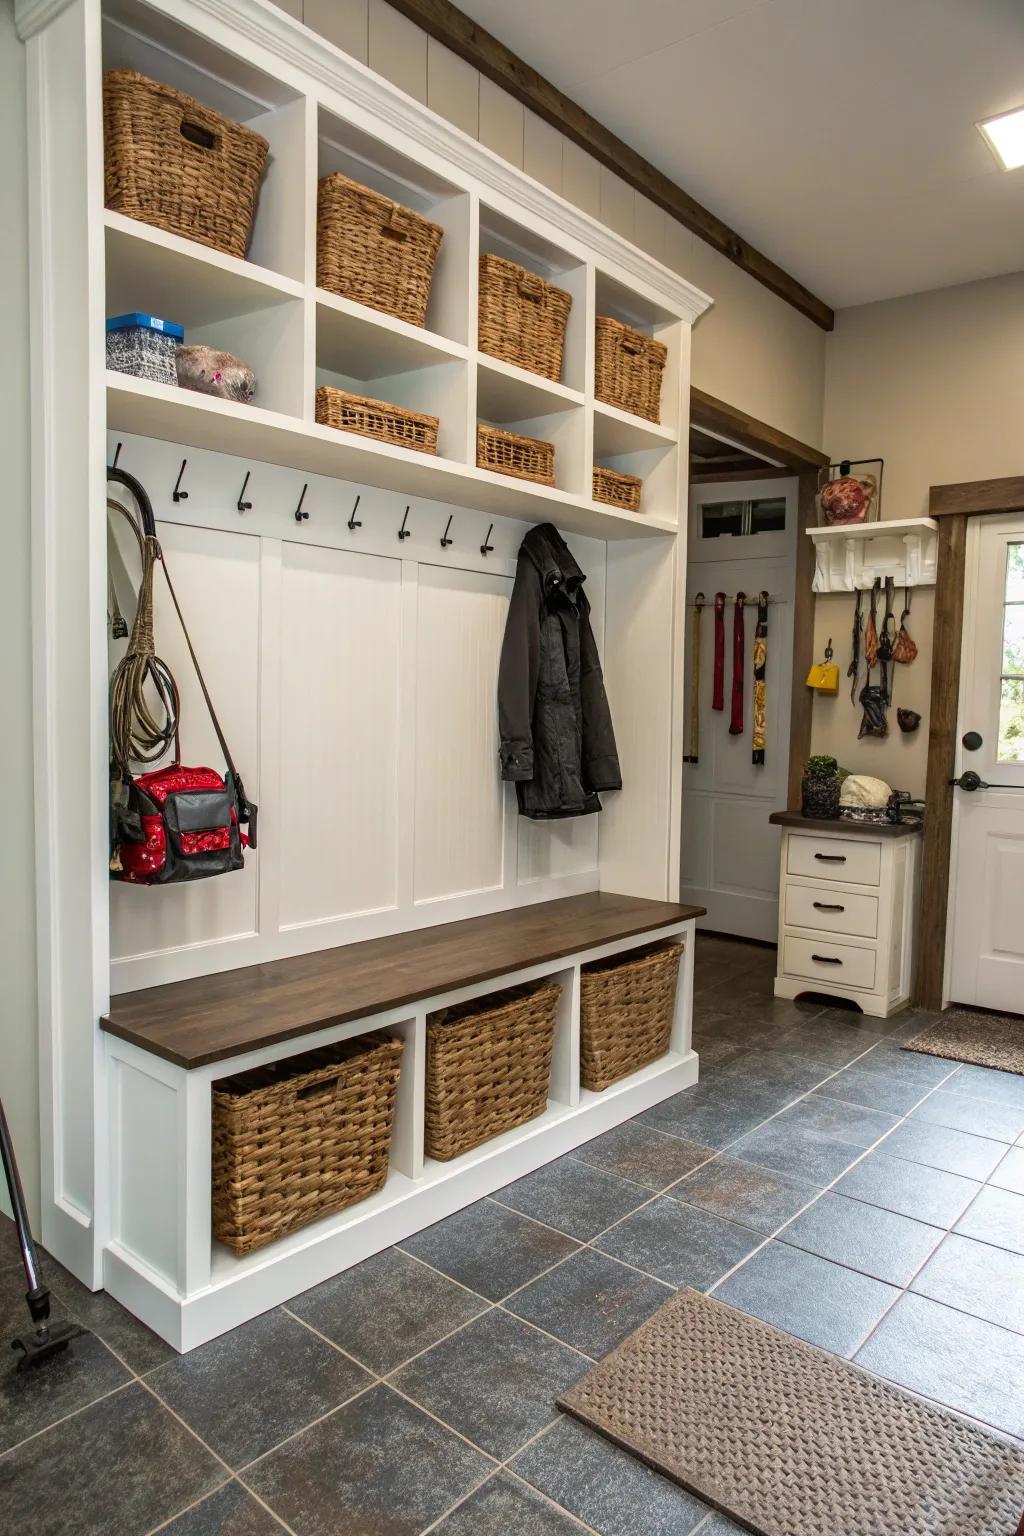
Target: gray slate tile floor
x,y
868,1200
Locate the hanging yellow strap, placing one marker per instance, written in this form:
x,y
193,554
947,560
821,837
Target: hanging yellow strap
x,y
693,755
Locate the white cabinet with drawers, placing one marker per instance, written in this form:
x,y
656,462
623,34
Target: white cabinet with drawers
x,y
847,903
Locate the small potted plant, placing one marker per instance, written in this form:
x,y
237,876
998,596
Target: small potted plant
x,y
819,788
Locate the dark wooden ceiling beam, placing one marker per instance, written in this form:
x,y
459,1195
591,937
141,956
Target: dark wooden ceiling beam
x,y
457,31
753,435
970,497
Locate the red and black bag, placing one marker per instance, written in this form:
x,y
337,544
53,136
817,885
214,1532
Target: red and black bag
x,y
174,823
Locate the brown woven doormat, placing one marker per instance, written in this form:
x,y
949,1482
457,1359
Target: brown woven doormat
x,y
789,1440
980,1039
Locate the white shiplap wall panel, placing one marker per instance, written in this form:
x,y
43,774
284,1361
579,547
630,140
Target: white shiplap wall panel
x,y
340,660
459,796
548,849
217,578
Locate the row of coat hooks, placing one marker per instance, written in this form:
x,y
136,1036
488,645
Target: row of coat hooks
x,y
302,514
743,599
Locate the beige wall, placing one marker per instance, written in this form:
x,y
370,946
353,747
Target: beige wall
x,y
932,383
751,349
19,1077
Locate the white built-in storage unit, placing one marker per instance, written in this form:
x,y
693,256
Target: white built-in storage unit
x,y
354,670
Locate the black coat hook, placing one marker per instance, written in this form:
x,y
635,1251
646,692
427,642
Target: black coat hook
x,y
445,540
243,505
404,532
301,516
117,455
178,494
487,546
354,521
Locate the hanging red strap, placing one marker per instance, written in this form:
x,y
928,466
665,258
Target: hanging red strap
x,y
718,685
738,648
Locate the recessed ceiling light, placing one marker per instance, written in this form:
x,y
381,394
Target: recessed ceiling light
x,y
1004,136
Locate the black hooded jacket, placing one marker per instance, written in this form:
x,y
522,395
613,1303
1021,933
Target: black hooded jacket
x,y
557,742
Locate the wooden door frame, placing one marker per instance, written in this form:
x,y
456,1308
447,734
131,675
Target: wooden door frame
x,y
791,457
952,505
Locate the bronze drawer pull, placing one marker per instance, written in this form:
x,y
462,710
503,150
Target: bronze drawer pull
x,y
831,858
827,959
828,906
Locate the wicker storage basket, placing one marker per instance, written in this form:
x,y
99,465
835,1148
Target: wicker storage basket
x,y
372,250
377,419
300,1138
616,489
171,162
628,368
626,1007
507,453
488,1067
522,318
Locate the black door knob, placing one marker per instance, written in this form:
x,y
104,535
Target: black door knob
x,y
972,741
970,781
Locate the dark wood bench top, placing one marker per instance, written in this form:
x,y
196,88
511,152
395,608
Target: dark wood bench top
x,y
211,1018
841,824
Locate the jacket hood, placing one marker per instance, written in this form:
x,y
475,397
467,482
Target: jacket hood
x,y
545,548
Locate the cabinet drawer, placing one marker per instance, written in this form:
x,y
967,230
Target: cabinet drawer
x,y
834,858
820,960
831,910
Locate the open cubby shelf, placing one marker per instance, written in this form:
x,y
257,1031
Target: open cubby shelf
x,y
268,310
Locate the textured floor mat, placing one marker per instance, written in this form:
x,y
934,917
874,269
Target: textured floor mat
x,y
789,1440
981,1039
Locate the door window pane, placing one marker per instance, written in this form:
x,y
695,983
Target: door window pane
x,y
718,517
1010,748
1011,721
768,515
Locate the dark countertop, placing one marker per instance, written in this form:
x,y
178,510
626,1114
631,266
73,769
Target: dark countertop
x,y
841,824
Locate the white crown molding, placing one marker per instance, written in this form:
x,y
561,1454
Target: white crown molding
x,y
272,29
32,16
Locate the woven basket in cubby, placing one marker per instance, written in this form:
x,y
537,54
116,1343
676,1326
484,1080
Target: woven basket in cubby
x,y
171,162
626,1009
628,368
616,489
488,1066
509,453
522,317
373,250
300,1138
377,419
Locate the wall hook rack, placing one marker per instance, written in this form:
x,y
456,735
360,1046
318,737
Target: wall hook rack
x,y
243,505
178,494
445,540
404,532
354,522
487,546
300,515
117,455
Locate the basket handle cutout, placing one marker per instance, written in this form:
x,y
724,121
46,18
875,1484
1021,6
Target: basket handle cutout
x,y
195,133
531,286
317,1090
397,227
634,345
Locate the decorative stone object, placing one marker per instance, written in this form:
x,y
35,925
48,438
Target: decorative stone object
x,y
215,373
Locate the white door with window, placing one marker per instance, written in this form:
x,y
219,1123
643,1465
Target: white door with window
x,y
985,956
742,538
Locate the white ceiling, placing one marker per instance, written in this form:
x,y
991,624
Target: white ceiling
x,y
836,135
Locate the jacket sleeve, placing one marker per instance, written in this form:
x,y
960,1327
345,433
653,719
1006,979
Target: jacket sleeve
x,y
518,673
600,758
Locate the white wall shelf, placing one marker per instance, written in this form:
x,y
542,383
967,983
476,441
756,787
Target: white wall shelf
x,y
316,635
852,558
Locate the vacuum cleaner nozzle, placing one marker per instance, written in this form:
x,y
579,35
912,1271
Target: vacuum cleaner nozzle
x,y
38,1347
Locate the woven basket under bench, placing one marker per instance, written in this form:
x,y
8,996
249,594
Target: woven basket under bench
x,y
626,1009
298,1139
488,1066
377,419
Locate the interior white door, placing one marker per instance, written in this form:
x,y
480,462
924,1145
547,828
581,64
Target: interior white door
x,y
742,538
985,957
